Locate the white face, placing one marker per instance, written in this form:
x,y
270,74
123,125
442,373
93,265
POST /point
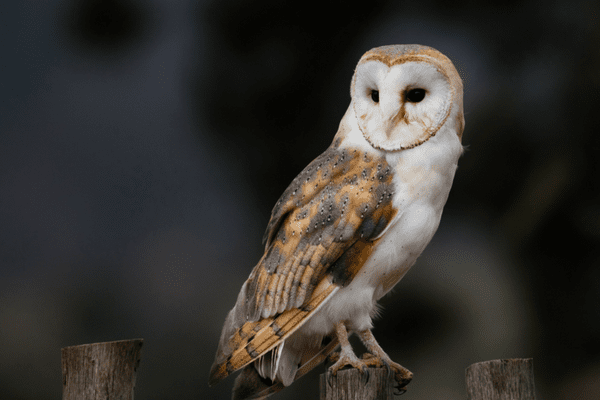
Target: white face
x,y
401,106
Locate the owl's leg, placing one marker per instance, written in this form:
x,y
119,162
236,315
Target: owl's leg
x,y
378,358
346,355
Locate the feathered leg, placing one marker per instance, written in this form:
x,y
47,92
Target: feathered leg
x,y
346,355
378,358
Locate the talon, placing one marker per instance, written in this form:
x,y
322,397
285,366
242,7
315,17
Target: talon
x,y
388,368
366,374
403,377
378,358
401,391
348,359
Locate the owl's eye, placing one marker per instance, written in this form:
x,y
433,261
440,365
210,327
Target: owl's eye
x,y
375,96
415,95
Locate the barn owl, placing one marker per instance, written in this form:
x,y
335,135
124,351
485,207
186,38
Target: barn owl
x,y
349,227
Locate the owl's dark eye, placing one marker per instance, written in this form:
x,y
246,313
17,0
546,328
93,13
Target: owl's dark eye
x,y
415,95
375,95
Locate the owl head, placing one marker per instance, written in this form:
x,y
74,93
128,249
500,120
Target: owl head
x,y
402,95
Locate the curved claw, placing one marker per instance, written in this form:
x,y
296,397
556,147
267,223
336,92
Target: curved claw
x,y
401,391
330,379
404,379
366,374
364,370
387,368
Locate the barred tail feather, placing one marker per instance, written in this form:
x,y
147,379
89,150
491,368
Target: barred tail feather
x,y
255,339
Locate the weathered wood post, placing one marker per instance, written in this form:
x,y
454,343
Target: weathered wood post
x,y
510,379
351,384
101,370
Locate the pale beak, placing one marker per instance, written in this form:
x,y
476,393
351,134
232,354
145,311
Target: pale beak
x,y
397,118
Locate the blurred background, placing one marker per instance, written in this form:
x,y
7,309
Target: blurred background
x,y
144,143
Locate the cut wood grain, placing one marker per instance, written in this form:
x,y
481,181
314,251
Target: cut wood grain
x,y
351,384
101,371
510,379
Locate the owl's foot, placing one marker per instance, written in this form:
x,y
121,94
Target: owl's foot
x,y
347,359
402,375
378,358
346,355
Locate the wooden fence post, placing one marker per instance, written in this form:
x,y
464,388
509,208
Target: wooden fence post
x,y
351,384
100,370
510,379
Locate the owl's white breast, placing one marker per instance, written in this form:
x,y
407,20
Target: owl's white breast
x,y
422,180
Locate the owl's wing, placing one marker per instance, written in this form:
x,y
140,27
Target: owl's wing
x,y
319,236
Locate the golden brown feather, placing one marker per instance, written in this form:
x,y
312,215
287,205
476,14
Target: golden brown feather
x,y
319,235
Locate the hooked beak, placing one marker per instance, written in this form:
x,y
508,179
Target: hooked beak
x,y
398,117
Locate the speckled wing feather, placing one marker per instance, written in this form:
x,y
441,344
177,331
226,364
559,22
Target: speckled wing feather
x,y
320,233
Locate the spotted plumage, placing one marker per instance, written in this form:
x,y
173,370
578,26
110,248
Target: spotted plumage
x,y
324,223
349,226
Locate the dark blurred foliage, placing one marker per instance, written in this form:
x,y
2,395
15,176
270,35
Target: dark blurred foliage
x,y
105,25
117,225
271,73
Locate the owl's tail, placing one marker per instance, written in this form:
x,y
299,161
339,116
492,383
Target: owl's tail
x,y
250,385
297,357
